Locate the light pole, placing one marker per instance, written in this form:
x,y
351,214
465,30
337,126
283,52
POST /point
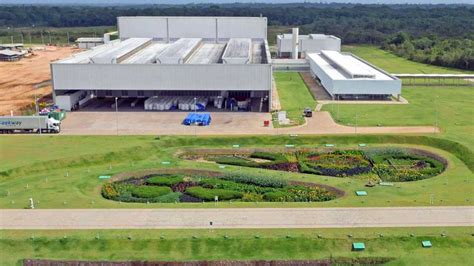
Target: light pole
x,y
37,113
116,114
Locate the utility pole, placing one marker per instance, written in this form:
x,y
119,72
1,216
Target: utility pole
x,y
116,114
356,116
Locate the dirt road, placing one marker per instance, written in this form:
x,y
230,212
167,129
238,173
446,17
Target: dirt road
x,y
18,80
169,123
237,218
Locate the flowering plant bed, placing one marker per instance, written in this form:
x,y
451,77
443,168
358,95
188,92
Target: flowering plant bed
x,y
201,186
389,164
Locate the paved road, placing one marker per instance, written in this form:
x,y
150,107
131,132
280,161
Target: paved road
x,y
237,218
236,123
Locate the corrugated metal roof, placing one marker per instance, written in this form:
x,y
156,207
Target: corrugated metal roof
x,y
238,48
179,51
120,51
353,67
336,72
147,55
208,53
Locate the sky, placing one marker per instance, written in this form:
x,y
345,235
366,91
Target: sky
x,y
232,1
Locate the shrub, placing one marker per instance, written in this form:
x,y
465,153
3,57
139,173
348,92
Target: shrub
x,y
168,198
209,194
272,156
109,191
234,160
149,191
165,180
262,181
252,197
231,185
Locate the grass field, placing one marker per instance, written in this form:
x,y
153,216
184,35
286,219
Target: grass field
x,y
59,175
395,64
449,107
176,245
294,95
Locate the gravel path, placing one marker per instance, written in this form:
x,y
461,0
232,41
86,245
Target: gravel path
x,y
237,218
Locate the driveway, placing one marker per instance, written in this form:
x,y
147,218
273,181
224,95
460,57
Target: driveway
x,y
237,218
237,123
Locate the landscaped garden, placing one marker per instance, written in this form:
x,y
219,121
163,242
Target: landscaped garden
x,y
199,186
381,164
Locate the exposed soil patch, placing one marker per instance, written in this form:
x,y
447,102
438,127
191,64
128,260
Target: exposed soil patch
x,y
20,81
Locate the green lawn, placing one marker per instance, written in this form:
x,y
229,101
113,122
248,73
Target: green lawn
x,y
62,178
395,64
450,106
294,95
179,245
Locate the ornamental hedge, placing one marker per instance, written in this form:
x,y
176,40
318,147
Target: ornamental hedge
x,y
203,186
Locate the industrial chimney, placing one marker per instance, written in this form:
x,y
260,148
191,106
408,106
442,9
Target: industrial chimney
x,y
295,43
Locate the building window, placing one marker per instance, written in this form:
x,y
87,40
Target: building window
x,y
108,93
124,93
141,93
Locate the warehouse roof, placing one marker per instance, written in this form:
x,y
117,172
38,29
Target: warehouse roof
x,y
238,48
208,53
346,66
147,55
120,50
180,49
188,51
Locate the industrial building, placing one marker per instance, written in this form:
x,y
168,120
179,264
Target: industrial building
x,y
346,76
89,42
172,63
298,46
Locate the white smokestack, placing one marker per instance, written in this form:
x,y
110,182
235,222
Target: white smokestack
x,y
295,35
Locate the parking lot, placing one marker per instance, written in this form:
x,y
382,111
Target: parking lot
x,y
161,123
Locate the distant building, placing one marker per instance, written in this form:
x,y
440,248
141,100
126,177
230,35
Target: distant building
x,y
312,43
89,42
345,76
11,46
10,55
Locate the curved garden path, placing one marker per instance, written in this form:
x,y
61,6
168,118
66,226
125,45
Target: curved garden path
x,y
236,218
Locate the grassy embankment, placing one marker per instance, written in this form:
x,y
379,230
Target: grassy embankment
x,y
175,245
61,175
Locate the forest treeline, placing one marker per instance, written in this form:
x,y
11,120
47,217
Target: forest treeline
x,y
449,28
457,53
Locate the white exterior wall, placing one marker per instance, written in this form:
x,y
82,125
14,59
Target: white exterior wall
x,y
161,77
165,28
308,45
317,45
356,86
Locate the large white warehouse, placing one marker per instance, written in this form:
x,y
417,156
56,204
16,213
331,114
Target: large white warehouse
x,y
345,76
163,63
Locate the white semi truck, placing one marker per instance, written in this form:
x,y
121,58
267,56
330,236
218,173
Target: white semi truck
x,y
19,124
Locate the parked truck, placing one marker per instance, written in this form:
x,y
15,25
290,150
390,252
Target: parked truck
x,y
18,124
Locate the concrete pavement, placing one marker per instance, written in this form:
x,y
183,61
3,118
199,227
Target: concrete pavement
x,y
236,218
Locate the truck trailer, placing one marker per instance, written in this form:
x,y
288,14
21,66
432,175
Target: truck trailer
x,y
19,124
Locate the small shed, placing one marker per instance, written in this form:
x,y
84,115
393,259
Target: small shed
x,y
361,193
10,55
358,246
89,42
